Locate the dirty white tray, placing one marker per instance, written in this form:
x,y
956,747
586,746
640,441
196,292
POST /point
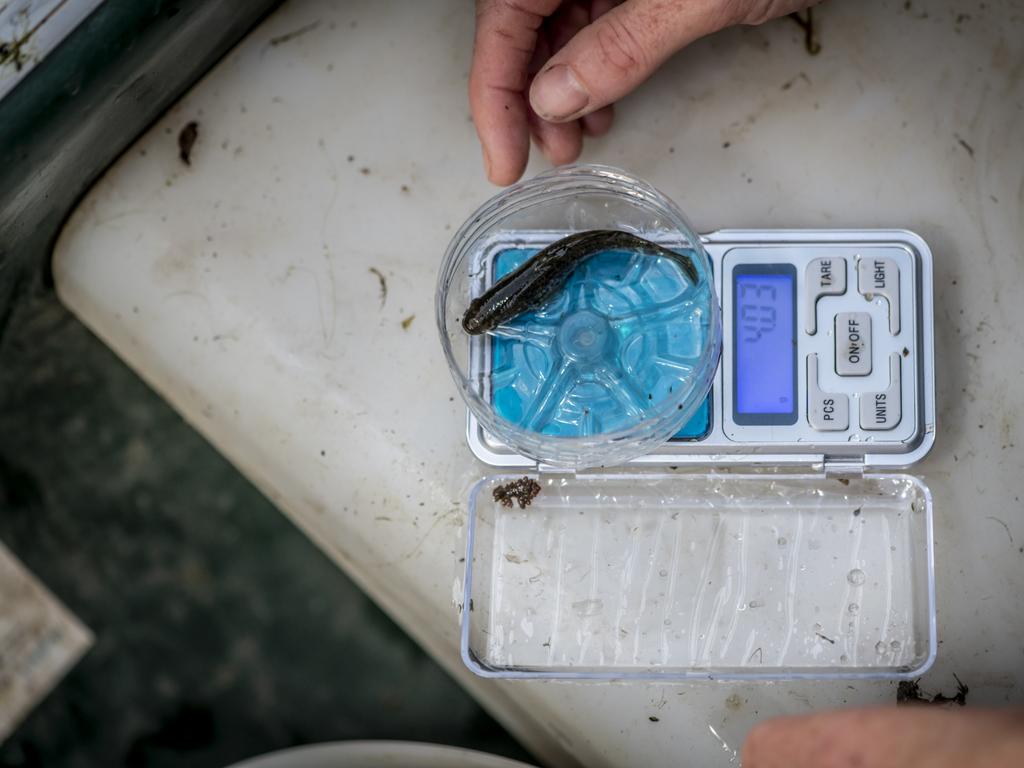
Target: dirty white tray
x,y
240,288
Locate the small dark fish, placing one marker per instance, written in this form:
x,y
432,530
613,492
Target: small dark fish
x,y
541,277
186,140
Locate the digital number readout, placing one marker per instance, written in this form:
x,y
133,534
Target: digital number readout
x,y
764,344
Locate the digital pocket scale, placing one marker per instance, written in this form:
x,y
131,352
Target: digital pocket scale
x,y
818,565
827,355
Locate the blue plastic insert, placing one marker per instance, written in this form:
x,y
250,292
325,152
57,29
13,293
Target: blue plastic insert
x,y
620,338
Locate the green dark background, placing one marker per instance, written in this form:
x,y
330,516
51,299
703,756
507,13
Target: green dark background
x,y
221,631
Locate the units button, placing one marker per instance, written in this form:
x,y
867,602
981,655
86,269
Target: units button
x,y
881,411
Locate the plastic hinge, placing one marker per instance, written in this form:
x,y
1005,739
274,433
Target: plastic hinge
x,y
843,466
547,469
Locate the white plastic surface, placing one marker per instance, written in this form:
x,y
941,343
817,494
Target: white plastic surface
x,y
240,289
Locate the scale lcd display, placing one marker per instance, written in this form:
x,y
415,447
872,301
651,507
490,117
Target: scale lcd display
x,y
764,344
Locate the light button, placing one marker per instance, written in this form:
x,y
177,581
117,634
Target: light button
x,y
881,277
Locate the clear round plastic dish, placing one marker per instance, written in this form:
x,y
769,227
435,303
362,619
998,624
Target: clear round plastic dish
x,y
623,354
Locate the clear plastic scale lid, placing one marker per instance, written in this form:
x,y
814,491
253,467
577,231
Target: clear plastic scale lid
x,y
682,576
614,360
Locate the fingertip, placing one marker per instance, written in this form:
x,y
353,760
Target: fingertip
x,y
561,143
504,179
559,153
503,171
500,119
598,123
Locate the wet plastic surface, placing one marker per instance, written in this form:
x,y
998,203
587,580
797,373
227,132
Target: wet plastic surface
x,y
702,576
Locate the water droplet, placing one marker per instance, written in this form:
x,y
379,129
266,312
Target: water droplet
x,y
663,573
879,647
895,645
853,609
756,603
668,622
844,658
856,577
782,541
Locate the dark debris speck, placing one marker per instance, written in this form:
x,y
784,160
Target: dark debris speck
x,y
522,491
186,140
909,693
811,42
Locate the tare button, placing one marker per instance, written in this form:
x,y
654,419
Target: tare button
x,y
881,277
825,277
853,344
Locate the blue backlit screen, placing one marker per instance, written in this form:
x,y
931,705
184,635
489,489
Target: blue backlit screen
x,y
764,344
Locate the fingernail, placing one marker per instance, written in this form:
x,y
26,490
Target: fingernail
x,y
556,93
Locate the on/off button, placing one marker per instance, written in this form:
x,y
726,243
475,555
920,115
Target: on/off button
x,y
853,344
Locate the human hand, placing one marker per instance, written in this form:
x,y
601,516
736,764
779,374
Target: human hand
x,y
575,58
910,737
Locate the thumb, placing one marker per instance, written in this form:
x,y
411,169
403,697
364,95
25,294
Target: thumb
x,y
610,57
